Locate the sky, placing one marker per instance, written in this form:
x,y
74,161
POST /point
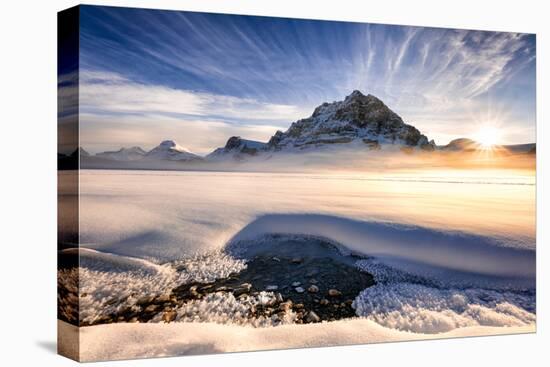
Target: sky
x,y
197,78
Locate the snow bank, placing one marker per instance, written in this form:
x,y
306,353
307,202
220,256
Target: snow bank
x,y
124,341
423,246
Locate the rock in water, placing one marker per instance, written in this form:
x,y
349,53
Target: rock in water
x,y
334,292
313,289
312,317
242,289
299,289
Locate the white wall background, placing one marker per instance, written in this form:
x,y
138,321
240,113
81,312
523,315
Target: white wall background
x,y
28,179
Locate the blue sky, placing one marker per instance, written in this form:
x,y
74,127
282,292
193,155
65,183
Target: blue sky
x,y
149,75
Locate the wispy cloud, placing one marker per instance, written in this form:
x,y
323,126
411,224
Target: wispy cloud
x,y
111,93
254,71
116,111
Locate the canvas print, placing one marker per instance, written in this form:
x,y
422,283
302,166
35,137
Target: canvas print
x,y
235,183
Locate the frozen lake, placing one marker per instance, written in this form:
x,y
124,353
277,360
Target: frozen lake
x,y
162,215
448,250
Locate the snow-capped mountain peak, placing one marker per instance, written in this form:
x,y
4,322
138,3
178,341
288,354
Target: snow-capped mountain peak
x,y
170,150
172,145
357,117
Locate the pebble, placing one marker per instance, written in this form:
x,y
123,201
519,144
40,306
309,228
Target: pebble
x,y
110,302
296,284
193,291
206,287
299,289
151,308
334,292
243,288
163,298
313,289
296,260
285,306
271,288
169,316
312,317
313,281
144,300
312,272
181,267
324,302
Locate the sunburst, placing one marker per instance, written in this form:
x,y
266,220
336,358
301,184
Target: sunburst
x,y
488,137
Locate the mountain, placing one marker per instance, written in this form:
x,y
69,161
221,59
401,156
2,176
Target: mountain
x,y
170,151
461,145
124,154
80,152
237,148
358,118
362,120
71,161
469,145
359,123
167,155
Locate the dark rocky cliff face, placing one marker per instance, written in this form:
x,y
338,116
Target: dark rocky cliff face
x,y
358,116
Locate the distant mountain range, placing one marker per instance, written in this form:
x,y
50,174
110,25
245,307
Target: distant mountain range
x,y
124,154
469,145
361,122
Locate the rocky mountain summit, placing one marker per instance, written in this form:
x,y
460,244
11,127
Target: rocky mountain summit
x,y
356,118
361,119
238,148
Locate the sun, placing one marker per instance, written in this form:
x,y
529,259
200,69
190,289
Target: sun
x,y
488,136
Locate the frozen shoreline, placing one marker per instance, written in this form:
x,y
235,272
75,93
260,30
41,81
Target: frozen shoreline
x,y
440,272
127,341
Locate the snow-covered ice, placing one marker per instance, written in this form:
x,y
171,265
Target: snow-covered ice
x,y
124,341
452,256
